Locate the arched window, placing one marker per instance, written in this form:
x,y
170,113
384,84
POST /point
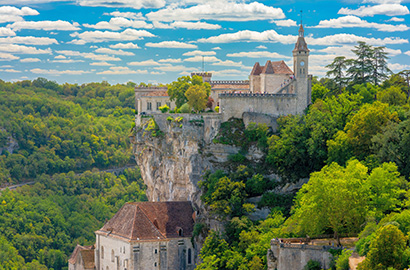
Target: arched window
x,y
102,252
189,256
112,255
180,232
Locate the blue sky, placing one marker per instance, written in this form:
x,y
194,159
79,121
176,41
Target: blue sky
x,y
156,41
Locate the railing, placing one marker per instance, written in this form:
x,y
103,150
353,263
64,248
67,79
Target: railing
x,y
257,95
238,82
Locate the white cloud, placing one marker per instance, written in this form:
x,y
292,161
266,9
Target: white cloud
x,y
100,64
340,39
216,48
395,19
129,45
407,53
258,54
197,52
54,72
103,36
395,67
261,47
29,40
21,49
251,36
171,68
285,23
10,70
170,60
44,25
219,11
92,56
171,44
115,52
13,14
195,25
383,9
228,63
129,15
6,32
156,73
118,22
136,4
29,60
229,73
67,61
393,52
122,70
60,57
354,22
199,58
149,62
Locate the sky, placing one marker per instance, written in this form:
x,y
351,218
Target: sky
x,y
157,41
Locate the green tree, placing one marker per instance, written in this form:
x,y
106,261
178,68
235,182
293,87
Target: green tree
x,y
319,92
392,96
386,250
361,68
337,68
406,75
197,96
177,89
332,199
379,63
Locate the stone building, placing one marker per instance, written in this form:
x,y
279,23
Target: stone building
x,y
147,235
82,258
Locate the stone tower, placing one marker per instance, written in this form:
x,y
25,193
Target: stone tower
x,y
301,71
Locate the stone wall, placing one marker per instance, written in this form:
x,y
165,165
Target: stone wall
x,y
283,256
234,105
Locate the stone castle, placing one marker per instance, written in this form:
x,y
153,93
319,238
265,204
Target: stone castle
x,y
157,234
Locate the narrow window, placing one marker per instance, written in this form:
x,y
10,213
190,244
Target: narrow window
x,y
189,256
149,106
158,105
156,251
180,232
169,104
155,264
102,252
112,255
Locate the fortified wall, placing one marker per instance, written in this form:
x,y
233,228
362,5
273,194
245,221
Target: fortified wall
x,y
285,256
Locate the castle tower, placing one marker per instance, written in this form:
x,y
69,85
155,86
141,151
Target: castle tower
x,y
301,71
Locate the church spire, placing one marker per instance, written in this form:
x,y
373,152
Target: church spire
x,y
301,45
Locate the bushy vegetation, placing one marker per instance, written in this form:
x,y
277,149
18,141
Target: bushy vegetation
x,y
62,128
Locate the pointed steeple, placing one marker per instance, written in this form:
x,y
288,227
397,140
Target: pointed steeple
x,y
301,45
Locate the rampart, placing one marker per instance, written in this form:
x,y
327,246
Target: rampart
x,y
235,104
285,256
236,82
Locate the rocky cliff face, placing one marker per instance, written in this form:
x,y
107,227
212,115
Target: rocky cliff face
x,y
173,161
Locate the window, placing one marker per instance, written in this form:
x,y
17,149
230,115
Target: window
x,y
158,105
189,256
155,264
149,106
180,232
156,251
169,104
102,252
112,255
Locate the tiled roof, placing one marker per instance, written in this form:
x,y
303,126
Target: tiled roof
x,y
276,67
157,94
87,254
151,221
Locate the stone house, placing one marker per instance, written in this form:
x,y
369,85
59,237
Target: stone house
x,y
82,258
147,235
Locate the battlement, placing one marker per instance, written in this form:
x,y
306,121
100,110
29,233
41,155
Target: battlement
x,y
202,74
254,95
234,82
142,88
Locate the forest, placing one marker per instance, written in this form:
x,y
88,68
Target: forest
x,y
353,144
62,138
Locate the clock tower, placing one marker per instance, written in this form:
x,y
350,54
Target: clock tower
x,y
301,71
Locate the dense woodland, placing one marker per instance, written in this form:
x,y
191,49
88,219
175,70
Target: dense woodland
x,y
60,136
353,144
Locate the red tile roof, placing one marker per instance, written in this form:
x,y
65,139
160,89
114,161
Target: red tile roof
x,y
151,221
276,67
87,254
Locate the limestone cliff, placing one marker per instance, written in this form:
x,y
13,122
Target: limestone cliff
x,y
174,154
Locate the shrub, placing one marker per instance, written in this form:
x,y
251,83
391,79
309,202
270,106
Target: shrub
x,y
237,158
342,262
185,108
170,118
217,109
312,265
164,108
